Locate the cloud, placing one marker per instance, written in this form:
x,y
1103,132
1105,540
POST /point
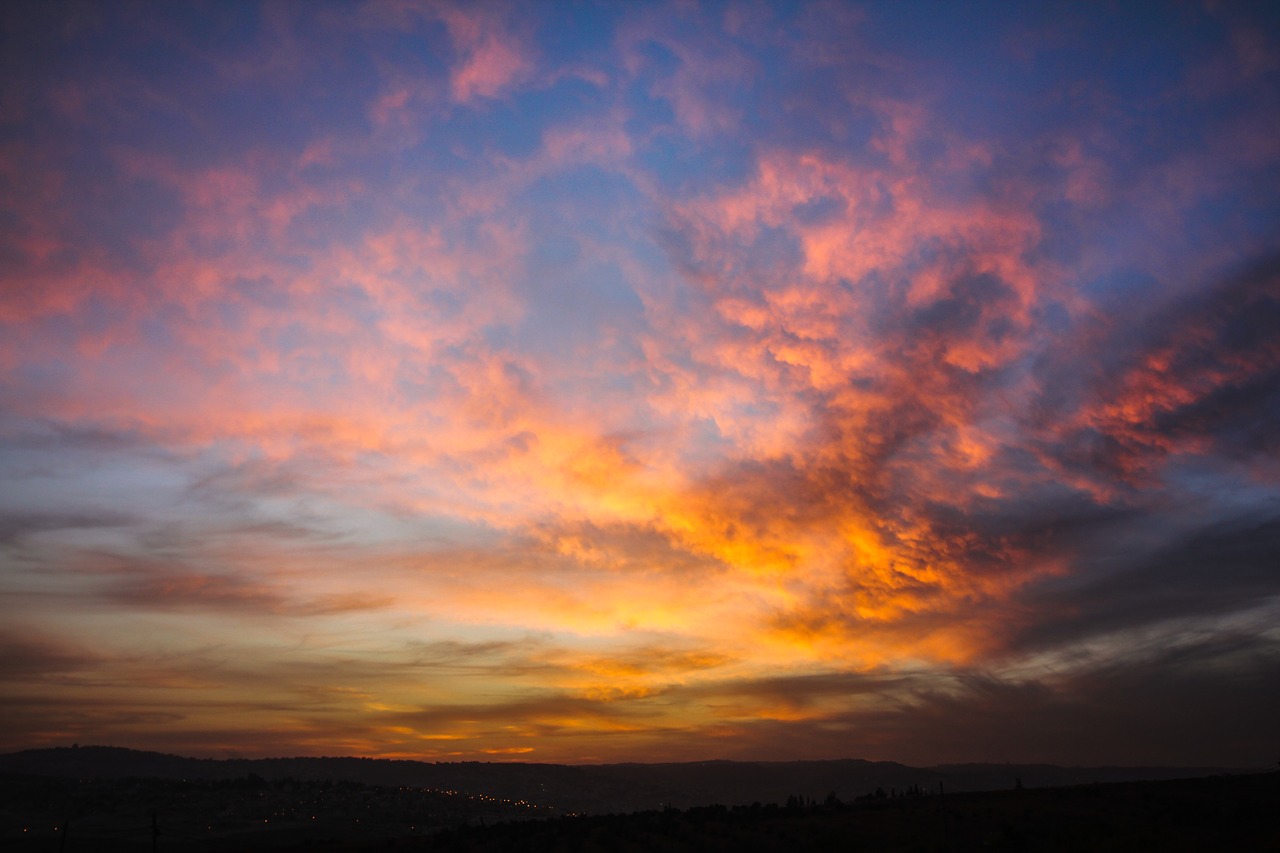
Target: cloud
x,y
1212,572
15,527
1204,381
491,58
185,589
33,656
1108,714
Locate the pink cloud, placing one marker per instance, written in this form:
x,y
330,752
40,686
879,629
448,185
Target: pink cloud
x,y
491,58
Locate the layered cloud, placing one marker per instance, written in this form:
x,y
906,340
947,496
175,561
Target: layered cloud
x,y
583,384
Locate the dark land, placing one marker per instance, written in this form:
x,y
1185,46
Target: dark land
x,y
108,799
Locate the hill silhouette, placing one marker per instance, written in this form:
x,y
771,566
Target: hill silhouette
x,y
597,788
109,800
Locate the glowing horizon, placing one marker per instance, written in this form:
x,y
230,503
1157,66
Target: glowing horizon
x,y
595,382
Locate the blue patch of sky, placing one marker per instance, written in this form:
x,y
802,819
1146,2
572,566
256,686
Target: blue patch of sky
x,y
579,32
321,227
706,440
1019,76
50,376
647,114
773,258
367,525
513,127
351,302
1123,286
1222,488
120,214
585,200
508,130
160,75
568,100
575,308
260,118
1244,213
157,77
955,45
820,210
426,45
420,379
70,480
108,38
98,317
1061,241
812,114
572,300
158,328
682,166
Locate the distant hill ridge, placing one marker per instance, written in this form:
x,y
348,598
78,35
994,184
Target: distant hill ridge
x,y
589,788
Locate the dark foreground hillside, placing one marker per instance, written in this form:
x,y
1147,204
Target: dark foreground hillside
x,y
1236,813
1213,813
560,788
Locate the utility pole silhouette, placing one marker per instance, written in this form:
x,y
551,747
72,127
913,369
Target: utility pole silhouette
x,y
946,823
155,833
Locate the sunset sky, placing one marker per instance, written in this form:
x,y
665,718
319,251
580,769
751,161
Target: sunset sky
x,y
586,382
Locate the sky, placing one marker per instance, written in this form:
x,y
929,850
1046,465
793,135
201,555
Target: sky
x,y
590,382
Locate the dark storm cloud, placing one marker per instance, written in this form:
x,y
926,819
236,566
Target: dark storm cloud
x,y
33,656
1234,355
804,691
156,583
17,526
546,714
1210,700
956,315
69,437
176,588
1200,375
79,722
1211,572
